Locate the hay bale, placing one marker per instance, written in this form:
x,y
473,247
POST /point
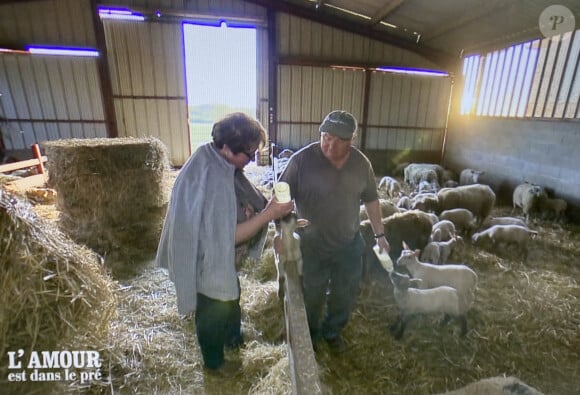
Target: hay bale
x,y
53,293
110,192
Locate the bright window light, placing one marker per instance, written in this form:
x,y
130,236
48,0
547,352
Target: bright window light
x,y
120,14
403,70
63,51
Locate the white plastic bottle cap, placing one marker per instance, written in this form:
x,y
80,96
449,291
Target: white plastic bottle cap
x,y
282,192
384,258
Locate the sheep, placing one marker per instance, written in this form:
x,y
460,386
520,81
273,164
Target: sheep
x,y
477,198
469,177
387,209
404,202
463,219
428,186
514,235
491,221
437,252
554,208
411,301
413,226
392,186
498,385
433,218
529,198
417,172
460,277
427,202
290,249
443,230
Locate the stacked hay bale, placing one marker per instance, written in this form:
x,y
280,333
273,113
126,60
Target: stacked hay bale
x,y
53,293
111,192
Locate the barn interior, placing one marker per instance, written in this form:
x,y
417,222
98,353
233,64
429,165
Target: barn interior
x,y
492,86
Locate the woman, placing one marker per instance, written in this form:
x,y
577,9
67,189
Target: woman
x,y
213,209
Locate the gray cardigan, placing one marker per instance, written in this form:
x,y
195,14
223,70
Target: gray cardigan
x,y
197,243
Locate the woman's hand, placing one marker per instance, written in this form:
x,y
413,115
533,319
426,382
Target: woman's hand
x,y
274,209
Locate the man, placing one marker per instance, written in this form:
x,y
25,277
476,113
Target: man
x,y
328,180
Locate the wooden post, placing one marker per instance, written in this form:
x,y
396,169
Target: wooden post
x,y
37,155
303,366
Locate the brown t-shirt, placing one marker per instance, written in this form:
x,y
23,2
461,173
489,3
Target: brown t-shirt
x,y
328,197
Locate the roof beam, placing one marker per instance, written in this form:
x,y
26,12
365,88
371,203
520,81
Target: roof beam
x,y
438,57
385,10
453,23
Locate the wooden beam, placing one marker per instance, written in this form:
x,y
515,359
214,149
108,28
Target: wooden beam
x,y
384,11
22,184
21,164
442,59
303,367
104,73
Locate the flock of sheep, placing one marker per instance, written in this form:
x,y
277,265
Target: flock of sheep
x,y
424,226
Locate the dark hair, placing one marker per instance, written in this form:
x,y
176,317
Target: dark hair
x,y
239,131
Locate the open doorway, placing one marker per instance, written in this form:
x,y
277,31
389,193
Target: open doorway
x,y
220,69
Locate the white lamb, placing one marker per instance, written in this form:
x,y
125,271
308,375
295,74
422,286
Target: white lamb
x,y
411,301
437,252
443,230
505,235
460,277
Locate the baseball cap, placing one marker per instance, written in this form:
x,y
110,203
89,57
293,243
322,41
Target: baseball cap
x,y
339,123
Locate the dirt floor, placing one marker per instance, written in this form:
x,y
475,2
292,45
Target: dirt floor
x,y
525,323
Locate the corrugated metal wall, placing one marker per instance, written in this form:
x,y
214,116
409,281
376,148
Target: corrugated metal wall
x,y
51,22
147,73
307,39
405,112
48,97
306,94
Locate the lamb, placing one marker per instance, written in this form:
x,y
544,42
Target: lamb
x,y
290,249
438,251
513,235
529,198
477,198
410,301
443,230
463,219
392,187
554,208
491,221
460,277
469,177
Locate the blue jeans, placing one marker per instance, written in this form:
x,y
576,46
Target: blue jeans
x,y
217,324
332,283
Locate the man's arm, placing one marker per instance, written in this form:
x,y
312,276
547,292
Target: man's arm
x,y
374,213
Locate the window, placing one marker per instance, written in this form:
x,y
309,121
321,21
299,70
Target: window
x,y
536,79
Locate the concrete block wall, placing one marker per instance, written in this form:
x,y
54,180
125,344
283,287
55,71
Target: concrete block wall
x,y
511,151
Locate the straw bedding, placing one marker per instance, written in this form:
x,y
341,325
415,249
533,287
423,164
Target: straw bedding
x,y
525,323
53,292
